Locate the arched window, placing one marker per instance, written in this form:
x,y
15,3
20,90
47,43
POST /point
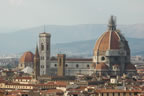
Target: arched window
x,y
88,66
42,47
42,66
77,65
66,65
60,61
47,57
42,57
47,47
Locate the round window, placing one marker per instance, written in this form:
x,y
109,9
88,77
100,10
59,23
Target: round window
x,y
66,65
102,58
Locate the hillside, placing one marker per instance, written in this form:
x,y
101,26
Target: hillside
x,y
85,48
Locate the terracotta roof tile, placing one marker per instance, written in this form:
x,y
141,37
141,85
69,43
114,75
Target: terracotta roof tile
x,y
101,66
51,91
116,90
23,78
109,40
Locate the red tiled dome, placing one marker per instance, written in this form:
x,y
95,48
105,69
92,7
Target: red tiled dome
x,y
27,57
101,66
109,40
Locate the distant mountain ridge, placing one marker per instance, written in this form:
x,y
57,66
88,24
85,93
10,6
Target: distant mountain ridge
x,y
85,48
24,40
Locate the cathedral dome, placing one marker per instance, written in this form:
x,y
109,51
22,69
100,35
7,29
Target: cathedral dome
x,y
101,66
112,41
109,40
27,57
111,50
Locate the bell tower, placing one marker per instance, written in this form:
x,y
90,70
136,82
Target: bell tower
x,y
44,51
36,63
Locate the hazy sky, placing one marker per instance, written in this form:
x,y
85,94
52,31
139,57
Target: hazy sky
x,y
30,13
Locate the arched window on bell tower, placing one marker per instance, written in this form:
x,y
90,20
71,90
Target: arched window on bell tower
x,y
47,47
42,47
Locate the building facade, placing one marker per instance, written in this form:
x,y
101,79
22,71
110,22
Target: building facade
x,y
73,66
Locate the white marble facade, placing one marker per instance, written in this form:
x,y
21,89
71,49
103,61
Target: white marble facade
x,y
73,67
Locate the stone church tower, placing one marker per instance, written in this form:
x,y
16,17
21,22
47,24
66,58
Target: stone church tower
x,y
61,64
44,51
36,63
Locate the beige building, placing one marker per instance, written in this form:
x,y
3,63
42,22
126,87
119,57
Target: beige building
x,y
82,91
13,86
24,80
